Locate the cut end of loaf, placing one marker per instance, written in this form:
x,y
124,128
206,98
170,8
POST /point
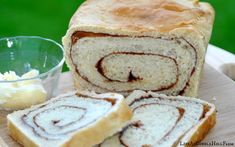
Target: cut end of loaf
x,y
123,64
120,46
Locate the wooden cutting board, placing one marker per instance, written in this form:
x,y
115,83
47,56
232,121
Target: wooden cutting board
x,y
213,84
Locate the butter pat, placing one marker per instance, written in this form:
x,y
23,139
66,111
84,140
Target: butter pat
x,y
16,95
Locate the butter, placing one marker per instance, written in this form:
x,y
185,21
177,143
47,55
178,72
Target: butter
x,y
16,95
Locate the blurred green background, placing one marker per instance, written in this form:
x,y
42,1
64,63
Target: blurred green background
x,y
49,18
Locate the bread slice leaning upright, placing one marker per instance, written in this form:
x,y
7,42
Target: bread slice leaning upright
x,y
73,120
164,121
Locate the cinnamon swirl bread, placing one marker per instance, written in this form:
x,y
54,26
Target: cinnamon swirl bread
x,y
164,121
81,120
123,45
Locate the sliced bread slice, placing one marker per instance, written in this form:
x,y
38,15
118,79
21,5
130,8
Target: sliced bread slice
x,y
76,119
164,121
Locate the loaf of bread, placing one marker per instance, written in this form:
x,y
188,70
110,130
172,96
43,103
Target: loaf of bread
x,y
164,121
124,45
72,120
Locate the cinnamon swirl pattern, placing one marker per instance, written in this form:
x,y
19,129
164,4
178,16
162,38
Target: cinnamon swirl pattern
x,y
122,64
55,120
59,119
161,121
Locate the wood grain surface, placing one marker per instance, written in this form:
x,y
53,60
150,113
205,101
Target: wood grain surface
x,y
215,88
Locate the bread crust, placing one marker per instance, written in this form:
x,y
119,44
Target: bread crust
x,y
142,16
139,18
88,136
199,132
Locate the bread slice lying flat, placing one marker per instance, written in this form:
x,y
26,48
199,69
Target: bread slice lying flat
x,y
124,45
74,120
164,121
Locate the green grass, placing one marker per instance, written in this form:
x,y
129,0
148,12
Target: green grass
x,y
49,18
224,22
46,18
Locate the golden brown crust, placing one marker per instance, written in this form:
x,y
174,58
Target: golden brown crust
x,y
201,130
143,16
